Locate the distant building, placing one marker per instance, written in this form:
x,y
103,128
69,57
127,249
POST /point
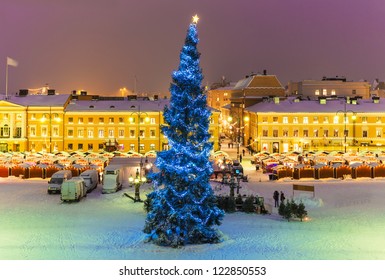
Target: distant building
x,y
330,124
337,86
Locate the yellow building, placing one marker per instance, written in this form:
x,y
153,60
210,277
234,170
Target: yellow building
x,y
283,125
53,123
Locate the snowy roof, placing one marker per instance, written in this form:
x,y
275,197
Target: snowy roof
x,y
119,105
258,81
38,100
116,105
311,106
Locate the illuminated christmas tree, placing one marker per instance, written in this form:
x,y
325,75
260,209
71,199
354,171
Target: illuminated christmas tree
x,y
183,206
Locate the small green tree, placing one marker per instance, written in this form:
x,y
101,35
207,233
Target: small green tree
x,y
248,206
230,204
301,212
281,209
287,212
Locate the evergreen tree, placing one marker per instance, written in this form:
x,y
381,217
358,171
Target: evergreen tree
x,y
301,212
184,209
248,206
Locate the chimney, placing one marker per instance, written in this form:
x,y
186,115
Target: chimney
x,y
264,72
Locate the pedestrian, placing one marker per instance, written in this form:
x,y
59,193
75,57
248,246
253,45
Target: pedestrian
x,y
282,197
243,152
276,198
240,158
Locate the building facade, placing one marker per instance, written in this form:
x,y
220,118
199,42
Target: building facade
x,y
284,125
53,123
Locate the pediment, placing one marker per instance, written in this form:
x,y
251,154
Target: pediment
x,y
4,104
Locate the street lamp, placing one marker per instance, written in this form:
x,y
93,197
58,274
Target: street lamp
x,y
138,181
146,119
345,121
239,129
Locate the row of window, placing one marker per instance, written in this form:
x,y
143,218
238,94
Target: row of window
x,y
332,92
90,147
90,132
336,133
316,119
112,120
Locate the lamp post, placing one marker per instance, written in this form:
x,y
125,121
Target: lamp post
x,y
139,114
345,121
138,181
239,129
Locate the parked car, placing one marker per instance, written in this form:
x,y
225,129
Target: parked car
x,y
57,179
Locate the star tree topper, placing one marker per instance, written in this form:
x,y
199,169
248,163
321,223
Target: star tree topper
x,y
195,19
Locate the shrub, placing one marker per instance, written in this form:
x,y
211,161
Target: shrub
x,y
248,206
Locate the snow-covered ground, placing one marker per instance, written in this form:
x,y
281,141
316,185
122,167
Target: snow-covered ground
x,y
347,221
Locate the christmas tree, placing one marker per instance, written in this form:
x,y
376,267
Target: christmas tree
x,y
183,206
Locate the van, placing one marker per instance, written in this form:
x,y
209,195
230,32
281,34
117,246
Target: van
x,y
73,189
91,178
112,178
57,179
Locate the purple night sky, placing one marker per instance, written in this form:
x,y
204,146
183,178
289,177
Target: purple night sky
x,y
101,45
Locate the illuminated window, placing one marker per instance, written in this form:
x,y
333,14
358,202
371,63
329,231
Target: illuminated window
x,y
295,133
275,119
324,92
364,119
70,120
316,92
152,120
275,132
326,119
32,131
333,92
80,146
121,133
335,120
365,133
378,132
90,133
335,134
101,133
111,133
80,133
285,133
111,120
285,120
152,147
315,119
55,131
264,119
121,120
44,131
70,132
305,133
132,147
305,120
315,132
326,133
295,119
80,120
101,120
132,133
90,120
33,117
152,133
265,133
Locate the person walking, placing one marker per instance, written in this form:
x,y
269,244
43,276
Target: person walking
x,y
243,152
240,158
282,198
276,198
